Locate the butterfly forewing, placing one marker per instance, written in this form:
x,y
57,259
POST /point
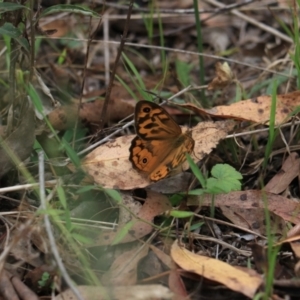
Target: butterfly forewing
x,y
153,122
160,146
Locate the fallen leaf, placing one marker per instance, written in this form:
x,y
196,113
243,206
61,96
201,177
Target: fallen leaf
x,y
152,267
255,110
216,270
64,117
223,77
164,257
289,170
254,219
294,231
110,167
286,208
117,110
293,241
177,285
260,257
61,26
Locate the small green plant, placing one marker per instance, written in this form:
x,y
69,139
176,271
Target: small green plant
x,y
224,179
45,277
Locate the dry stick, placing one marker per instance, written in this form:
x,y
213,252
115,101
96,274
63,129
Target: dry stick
x,y
176,10
212,15
204,55
187,52
260,130
110,85
90,40
230,225
106,49
254,22
53,247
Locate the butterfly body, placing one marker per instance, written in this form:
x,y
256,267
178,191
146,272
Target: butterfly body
x,y
160,145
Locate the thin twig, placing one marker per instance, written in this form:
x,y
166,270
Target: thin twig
x,y
48,228
106,50
176,10
260,130
189,52
254,22
113,73
91,37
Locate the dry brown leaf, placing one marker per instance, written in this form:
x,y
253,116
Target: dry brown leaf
x,y
254,219
260,257
7,289
152,267
59,26
123,271
136,292
294,231
64,117
289,170
155,205
117,110
296,248
255,110
109,165
165,258
286,208
223,77
293,241
213,269
177,285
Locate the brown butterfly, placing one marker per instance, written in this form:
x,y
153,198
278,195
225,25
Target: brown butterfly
x,y
160,146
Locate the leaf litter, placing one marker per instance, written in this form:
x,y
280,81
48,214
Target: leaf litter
x,y
218,241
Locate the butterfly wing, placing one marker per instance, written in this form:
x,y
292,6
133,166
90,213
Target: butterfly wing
x,y
160,146
184,144
158,158
152,122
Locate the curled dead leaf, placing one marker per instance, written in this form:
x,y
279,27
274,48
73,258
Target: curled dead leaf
x,y
224,77
216,270
289,171
255,110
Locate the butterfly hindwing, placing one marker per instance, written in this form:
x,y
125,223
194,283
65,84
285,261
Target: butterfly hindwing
x,y
160,146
